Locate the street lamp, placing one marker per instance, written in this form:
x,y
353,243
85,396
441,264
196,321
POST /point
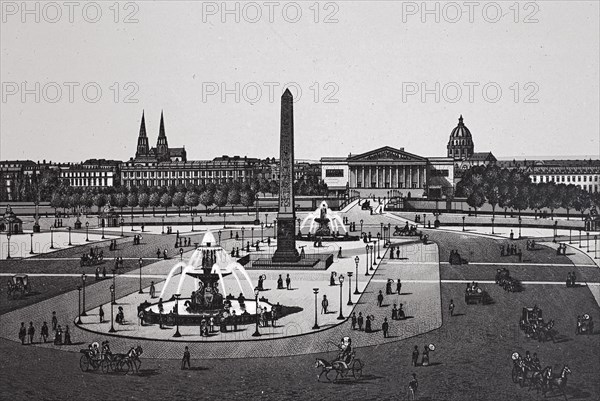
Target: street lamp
x,y
580,238
367,260
8,248
267,219
83,278
262,226
349,288
87,227
52,237
31,250
492,225
372,249
140,263
588,241
162,231
380,230
257,219
177,333
555,230
79,304
378,241
389,236
192,223
103,230
256,332
219,232
243,236
112,319
341,279
569,236
122,224
69,229
316,291
114,287
356,260
463,223
252,233
131,219
520,227
299,222
361,225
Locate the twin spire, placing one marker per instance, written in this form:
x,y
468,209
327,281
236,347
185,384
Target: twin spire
x,y
162,146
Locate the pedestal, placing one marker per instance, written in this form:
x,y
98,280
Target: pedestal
x,y
286,241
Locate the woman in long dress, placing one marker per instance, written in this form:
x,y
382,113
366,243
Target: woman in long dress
x,y
425,357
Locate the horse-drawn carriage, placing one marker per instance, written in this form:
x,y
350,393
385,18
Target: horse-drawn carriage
x,y
508,283
366,205
93,258
543,380
585,324
533,325
476,295
19,285
93,359
407,230
342,367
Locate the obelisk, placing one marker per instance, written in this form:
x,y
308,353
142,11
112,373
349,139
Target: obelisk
x,y
286,216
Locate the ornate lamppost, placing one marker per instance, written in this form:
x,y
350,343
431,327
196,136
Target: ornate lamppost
x,y
361,225
367,260
252,234
69,229
569,235
492,225
256,332
316,291
162,219
243,236
372,249
177,333
520,227
356,260
83,278
463,219
114,287
192,223
79,304
580,238
132,219
219,233
122,224
87,227
588,241
380,230
349,288
112,316
31,245
103,230
341,280
52,237
257,219
378,241
262,226
140,261
8,247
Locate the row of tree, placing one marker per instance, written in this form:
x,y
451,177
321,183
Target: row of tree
x,y
504,188
180,196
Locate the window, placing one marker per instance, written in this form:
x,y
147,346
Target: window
x,y
334,172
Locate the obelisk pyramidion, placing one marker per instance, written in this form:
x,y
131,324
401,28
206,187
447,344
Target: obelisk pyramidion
x,y
286,216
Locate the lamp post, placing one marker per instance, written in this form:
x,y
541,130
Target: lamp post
x,y
595,247
356,260
83,278
349,288
177,333
341,279
103,232
520,227
114,287
380,230
262,226
219,232
31,245
580,238
492,225
112,318
52,237
274,229
555,230
224,215
569,236
87,227
372,249
69,229
378,241
299,221
389,238
252,234
192,223
256,332
122,224
243,236
316,291
463,218
8,247
162,219
131,219
256,219
367,260
140,261
267,219
588,241
361,225
79,304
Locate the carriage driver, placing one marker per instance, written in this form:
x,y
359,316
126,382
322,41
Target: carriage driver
x,y
345,354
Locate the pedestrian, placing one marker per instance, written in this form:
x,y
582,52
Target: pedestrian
x,y
425,357
44,332
58,336
380,299
324,305
385,326
413,385
280,283
288,282
67,340
398,252
353,320
368,325
212,324
401,312
415,356
388,287
394,312
234,320
158,253
152,290
54,321
186,359
22,333
101,314
165,254
398,287
31,332
451,307
332,279
360,321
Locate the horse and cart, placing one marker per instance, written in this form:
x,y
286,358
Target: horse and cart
x,y
19,286
508,283
476,295
532,323
345,365
92,359
531,374
406,231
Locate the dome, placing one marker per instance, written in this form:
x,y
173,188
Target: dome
x,y
461,131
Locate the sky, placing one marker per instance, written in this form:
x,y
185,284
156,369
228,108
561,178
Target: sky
x,y
365,74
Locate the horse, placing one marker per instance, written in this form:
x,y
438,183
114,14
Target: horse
x,y
134,357
560,382
538,380
546,331
324,365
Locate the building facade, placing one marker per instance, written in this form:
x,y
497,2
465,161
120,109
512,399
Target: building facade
x,y
93,173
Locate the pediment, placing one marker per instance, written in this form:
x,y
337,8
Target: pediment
x,y
386,153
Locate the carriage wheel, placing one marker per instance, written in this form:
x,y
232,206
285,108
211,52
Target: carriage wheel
x,y
515,375
105,365
84,363
357,368
332,374
124,366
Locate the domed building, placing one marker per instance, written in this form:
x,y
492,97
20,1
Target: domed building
x,y
460,145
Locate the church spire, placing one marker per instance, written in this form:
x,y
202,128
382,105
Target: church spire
x,y
142,145
162,147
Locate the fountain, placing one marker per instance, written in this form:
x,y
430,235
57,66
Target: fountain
x,y
202,277
325,224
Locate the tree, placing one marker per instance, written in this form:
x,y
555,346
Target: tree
x,y
132,201
99,201
263,185
120,200
273,187
165,201
476,199
56,201
247,199
233,197
220,198
87,200
492,195
143,201
192,199
154,202
179,201
207,198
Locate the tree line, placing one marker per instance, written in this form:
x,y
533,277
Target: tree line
x,y
512,188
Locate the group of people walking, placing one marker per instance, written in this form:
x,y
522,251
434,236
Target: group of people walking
x,y
61,336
